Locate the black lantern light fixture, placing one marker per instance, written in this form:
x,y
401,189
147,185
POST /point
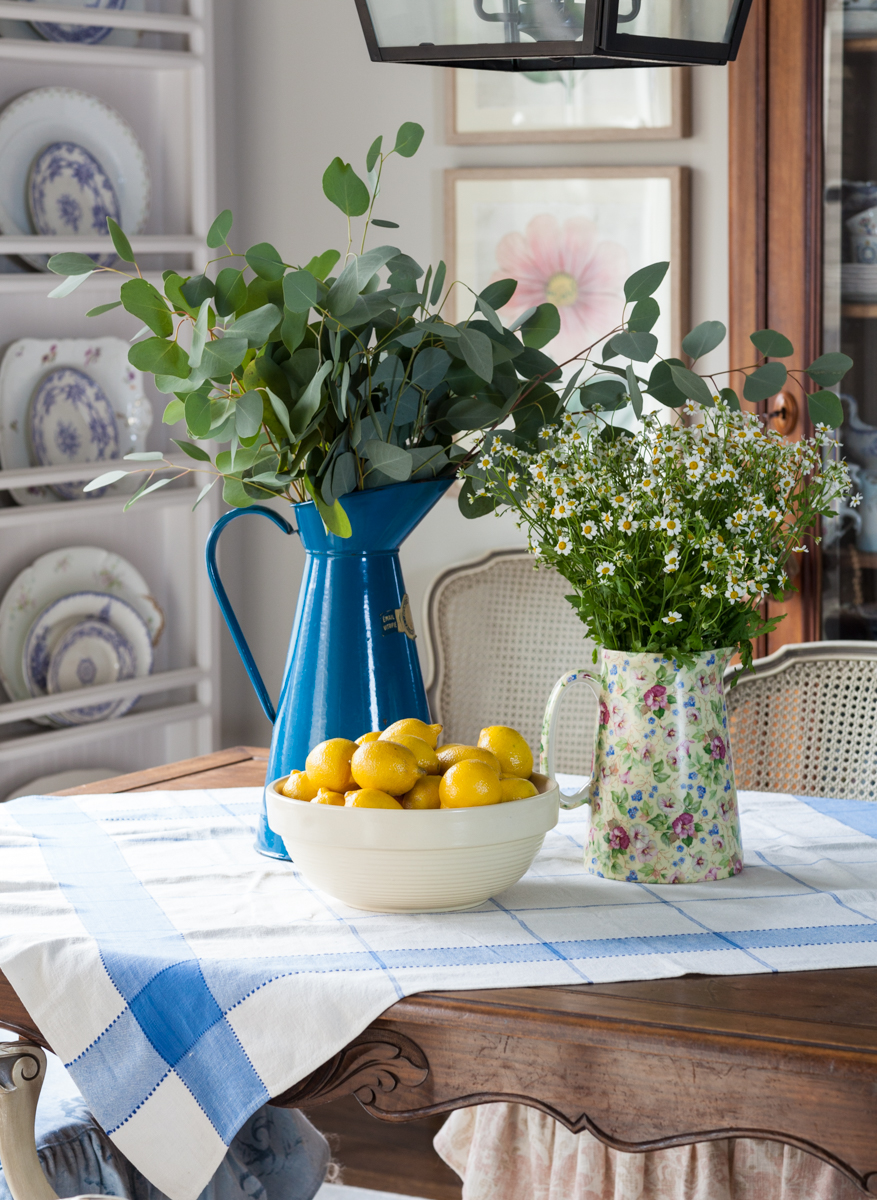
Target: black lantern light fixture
x,y
534,35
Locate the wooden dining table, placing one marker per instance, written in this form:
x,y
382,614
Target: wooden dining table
x,y
791,1057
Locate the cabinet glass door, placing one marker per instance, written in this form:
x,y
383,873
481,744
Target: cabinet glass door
x,y
849,547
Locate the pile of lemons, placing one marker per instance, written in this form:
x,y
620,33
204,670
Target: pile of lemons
x,y
404,767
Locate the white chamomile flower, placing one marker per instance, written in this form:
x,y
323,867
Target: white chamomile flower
x,y
561,511
648,483
759,508
693,468
689,407
854,501
485,462
671,561
727,474
557,488
512,480
628,525
656,523
589,530
619,500
546,433
605,570
539,473
671,525
713,476
736,594
564,545
672,618
773,513
538,506
606,520
707,590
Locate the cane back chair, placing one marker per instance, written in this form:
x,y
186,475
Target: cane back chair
x,y
500,635
804,722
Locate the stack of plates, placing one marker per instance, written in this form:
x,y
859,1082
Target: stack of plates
x,y
858,282
77,618
65,401
55,31
67,162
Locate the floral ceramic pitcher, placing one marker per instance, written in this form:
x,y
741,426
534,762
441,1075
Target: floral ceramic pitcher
x,y
662,794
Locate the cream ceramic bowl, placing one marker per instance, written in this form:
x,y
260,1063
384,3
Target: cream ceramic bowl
x,y
433,860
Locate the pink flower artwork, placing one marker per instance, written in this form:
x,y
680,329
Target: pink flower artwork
x,y
569,267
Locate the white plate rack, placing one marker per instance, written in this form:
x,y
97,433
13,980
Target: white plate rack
x,y
163,87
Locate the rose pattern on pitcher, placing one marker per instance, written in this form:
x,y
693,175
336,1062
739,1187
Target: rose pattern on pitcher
x,y
663,799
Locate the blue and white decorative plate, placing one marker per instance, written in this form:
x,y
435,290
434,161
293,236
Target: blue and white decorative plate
x,y
90,34
69,192
70,420
89,654
53,625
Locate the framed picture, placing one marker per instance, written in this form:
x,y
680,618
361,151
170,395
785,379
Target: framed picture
x,y
571,235
638,104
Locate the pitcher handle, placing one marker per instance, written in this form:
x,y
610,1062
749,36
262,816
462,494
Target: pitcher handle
x,y
549,728
222,599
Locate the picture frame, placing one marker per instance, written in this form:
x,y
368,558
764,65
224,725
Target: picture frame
x,y
574,234
503,107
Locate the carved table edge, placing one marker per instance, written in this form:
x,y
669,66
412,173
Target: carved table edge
x,y
380,1061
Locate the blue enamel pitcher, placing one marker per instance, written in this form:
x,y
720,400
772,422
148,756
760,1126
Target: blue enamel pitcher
x,y
352,664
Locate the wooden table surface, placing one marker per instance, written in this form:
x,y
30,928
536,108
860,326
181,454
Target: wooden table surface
x,y
791,1057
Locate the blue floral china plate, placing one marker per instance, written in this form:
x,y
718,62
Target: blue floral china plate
x,y
69,192
51,629
70,420
52,31
90,653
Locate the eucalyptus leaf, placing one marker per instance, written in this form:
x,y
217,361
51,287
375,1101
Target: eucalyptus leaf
x,y
764,382
174,411
71,263
645,282
206,488
299,291
636,399
772,344
392,460
385,224
217,234
403,266
344,291
256,326
640,347
482,305
292,329
199,336
691,386
476,351
825,408
345,189
374,152
438,283
344,475
334,518
231,291
730,398
703,338
540,327
280,411
102,308
248,414
105,480
193,451
644,316
829,369
222,356
70,284
408,139
429,367
322,264
159,356
472,506
120,242
196,290
428,461
662,387
264,260
308,403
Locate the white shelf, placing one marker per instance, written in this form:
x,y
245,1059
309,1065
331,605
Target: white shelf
x,y
51,740
146,685
171,111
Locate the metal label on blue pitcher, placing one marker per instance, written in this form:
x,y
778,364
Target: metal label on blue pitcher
x,y
399,620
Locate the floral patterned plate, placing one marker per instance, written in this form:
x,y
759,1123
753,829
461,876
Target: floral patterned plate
x,y
49,115
68,191
63,32
70,420
53,575
105,360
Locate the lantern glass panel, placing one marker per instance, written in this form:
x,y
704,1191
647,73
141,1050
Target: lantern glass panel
x,y
475,22
682,20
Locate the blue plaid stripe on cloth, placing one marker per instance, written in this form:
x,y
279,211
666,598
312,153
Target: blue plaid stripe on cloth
x,y
184,979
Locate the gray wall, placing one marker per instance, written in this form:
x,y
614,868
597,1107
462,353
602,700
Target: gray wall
x,y
295,87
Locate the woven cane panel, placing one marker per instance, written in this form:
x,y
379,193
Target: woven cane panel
x,y
506,636
808,729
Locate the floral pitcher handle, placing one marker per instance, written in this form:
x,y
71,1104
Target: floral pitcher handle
x,y
549,728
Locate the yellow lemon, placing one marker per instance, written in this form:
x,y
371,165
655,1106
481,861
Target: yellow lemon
x,y
454,753
386,766
427,759
299,787
324,796
424,794
368,737
468,784
415,728
515,756
328,765
512,788
371,798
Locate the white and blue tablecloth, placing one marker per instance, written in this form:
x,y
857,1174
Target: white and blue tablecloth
x,y
184,979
